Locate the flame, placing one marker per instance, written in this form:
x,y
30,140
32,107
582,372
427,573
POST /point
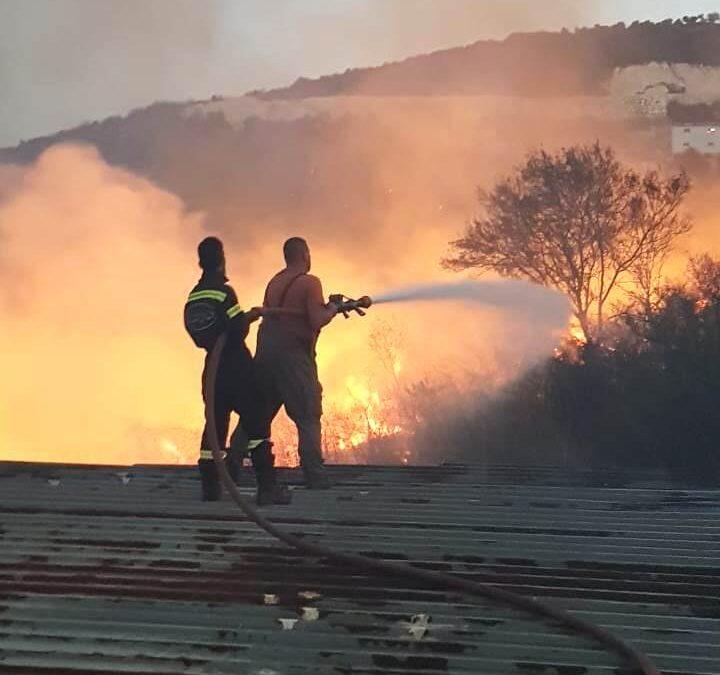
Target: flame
x,y
575,333
374,409
106,257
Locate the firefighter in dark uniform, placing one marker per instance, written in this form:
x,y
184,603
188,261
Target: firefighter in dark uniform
x,y
212,309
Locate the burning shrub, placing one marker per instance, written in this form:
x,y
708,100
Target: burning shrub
x,y
647,398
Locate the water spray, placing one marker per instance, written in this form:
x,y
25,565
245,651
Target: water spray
x,y
508,294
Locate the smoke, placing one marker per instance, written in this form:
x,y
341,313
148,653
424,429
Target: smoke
x,y
62,63
95,263
411,27
94,266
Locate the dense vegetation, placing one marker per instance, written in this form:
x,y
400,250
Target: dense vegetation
x,y
642,387
647,397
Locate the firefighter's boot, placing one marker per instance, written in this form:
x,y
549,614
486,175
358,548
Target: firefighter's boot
x,y
269,491
209,480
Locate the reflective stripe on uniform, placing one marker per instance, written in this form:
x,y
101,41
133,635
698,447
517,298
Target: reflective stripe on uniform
x,y
207,454
209,295
234,311
255,442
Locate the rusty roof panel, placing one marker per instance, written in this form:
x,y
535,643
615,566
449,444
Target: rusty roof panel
x,y
117,569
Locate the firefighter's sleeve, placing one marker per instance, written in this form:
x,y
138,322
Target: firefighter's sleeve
x,y
237,322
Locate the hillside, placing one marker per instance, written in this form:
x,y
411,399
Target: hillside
x,y
389,164
620,61
528,64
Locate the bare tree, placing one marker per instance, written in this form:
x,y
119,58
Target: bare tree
x,y
577,221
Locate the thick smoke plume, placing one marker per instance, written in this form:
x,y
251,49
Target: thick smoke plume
x,y
96,261
94,264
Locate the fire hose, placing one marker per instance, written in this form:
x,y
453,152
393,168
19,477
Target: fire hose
x,y
365,564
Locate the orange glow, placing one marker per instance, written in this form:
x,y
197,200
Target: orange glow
x,y
96,263
96,365
576,333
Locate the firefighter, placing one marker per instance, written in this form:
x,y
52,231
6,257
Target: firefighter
x,y
212,309
294,312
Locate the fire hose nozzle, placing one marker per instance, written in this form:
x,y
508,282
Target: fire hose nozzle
x,y
346,305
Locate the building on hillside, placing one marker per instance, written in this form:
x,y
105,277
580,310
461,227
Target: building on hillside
x,y
702,138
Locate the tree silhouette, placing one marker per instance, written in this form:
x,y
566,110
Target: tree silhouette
x,y
577,221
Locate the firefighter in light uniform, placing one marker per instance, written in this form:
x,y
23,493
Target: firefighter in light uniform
x,y
211,310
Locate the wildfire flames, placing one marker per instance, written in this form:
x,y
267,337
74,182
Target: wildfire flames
x,y
96,263
371,412
93,344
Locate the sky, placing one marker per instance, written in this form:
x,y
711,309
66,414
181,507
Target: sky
x,y
64,62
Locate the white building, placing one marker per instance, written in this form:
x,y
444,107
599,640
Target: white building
x,y
702,138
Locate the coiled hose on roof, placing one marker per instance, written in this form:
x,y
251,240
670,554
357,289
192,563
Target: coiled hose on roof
x,y
433,579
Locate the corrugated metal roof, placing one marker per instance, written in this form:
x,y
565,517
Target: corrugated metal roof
x,y
105,570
